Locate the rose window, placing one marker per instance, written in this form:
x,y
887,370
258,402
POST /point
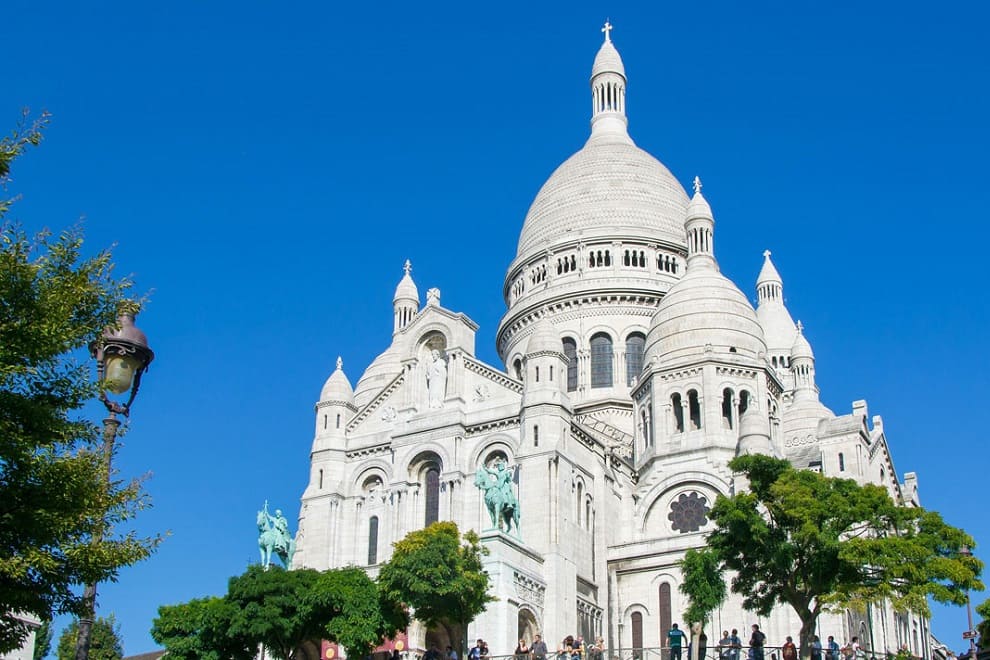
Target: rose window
x,y
689,512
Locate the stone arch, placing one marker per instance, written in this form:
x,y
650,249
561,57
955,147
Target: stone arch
x,y
509,444
716,484
679,509
432,335
528,623
374,467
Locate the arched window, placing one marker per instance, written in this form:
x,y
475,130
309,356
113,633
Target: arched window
x,y
665,611
842,462
536,436
727,408
432,495
694,410
321,479
570,352
635,347
601,360
373,541
677,408
743,402
580,502
517,368
324,422
338,421
637,631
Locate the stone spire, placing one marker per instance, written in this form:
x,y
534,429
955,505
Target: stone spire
x,y
769,285
405,302
700,227
608,89
803,367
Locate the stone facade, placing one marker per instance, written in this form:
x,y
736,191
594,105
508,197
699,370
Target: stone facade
x,y
634,372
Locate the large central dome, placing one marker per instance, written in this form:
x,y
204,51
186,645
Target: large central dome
x,y
610,188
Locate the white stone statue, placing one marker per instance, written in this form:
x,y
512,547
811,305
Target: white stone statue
x,y
436,379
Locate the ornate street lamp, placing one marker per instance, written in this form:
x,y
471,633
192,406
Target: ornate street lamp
x,y
122,356
970,633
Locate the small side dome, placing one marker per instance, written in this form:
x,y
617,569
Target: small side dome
x,y
384,368
704,311
338,388
608,61
406,289
754,423
545,339
698,207
801,347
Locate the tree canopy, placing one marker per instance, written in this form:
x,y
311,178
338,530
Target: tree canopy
x,y
199,630
983,627
812,542
438,576
53,302
703,584
105,641
283,610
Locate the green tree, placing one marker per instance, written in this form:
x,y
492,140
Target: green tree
x,y
802,539
200,630
43,640
360,614
983,627
275,607
53,302
105,643
438,576
703,584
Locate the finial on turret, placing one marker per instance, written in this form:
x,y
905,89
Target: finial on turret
x,y
800,327
340,363
407,267
697,185
766,254
607,29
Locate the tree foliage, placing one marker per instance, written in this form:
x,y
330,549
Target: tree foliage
x,y
43,640
438,576
983,627
53,302
200,630
703,584
802,539
105,642
283,610
360,615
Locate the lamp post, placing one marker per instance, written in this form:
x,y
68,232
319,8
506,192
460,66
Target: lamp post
x,y
970,633
122,356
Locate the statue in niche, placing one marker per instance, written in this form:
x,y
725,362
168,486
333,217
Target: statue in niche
x,y
436,379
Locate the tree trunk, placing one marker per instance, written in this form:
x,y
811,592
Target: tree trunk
x,y
808,625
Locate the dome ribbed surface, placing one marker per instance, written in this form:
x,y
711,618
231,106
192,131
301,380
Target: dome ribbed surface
x,y
609,189
544,338
704,309
378,374
337,388
778,326
801,348
406,289
608,61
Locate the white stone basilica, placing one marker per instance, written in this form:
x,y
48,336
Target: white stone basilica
x,y
634,372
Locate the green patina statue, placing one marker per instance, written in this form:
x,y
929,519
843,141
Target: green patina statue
x,y
274,538
503,507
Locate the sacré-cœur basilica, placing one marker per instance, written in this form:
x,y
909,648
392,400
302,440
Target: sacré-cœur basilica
x,y
634,371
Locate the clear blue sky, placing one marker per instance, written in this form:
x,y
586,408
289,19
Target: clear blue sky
x,y
265,169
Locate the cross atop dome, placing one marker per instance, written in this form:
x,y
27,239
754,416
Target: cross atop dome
x,y
697,185
340,363
407,267
766,254
800,327
607,28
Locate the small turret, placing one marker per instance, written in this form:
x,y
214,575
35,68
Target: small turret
x,y
700,226
754,433
608,89
803,367
405,302
335,408
545,404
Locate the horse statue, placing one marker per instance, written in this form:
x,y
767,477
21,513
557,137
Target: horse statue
x,y
274,538
503,507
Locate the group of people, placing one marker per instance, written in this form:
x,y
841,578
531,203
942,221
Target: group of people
x,y
570,648
730,647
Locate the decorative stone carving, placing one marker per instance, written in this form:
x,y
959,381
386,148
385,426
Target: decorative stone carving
x,y
433,296
436,379
529,590
482,393
389,414
689,512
